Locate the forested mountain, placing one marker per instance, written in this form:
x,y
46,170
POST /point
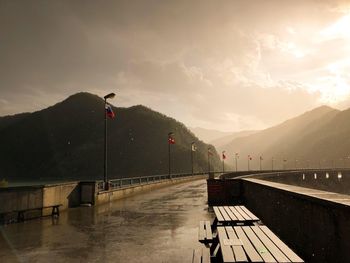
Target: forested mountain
x,y
66,141
320,136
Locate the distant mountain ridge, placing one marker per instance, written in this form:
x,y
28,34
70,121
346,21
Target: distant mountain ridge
x,y
208,135
299,141
65,141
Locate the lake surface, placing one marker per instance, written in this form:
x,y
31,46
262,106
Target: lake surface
x,y
157,226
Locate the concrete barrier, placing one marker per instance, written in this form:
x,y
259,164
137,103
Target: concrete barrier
x,y
312,222
112,195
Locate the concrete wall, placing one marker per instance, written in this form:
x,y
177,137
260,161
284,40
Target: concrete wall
x,y
17,198
27,197
108,196
67,194
316,228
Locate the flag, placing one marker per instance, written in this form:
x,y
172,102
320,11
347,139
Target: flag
x,y
109,111
261,158
237,155
249,157
171,140
223,155
194,147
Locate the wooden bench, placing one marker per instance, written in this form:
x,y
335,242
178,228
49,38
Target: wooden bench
x,y
234,215
201,255
253,244
55,212
205,234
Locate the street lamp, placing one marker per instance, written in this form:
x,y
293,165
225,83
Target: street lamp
x,y
193,149
249,159
105,179
223,161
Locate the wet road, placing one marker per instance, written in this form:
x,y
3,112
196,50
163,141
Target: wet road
x,y
157,226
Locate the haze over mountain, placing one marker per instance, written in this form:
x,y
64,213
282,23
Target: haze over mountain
x,y
228,138
319,136
208,135
65,141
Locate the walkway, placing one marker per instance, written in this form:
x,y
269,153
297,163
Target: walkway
x,y
158,226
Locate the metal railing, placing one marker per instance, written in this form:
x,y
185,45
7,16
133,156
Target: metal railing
x,y
132,181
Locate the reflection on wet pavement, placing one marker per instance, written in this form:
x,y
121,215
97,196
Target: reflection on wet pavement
x,y
157,226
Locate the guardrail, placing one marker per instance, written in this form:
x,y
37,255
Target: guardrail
x,y
127,182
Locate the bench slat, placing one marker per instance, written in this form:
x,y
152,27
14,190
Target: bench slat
x,y
243,213
260,248
285,249
209,233
224,214
227,252
237,250
230,214
250,214
236,213
275,251
201,233
218,214
253,255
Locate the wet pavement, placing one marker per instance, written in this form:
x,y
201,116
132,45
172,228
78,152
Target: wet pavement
x,y
157,226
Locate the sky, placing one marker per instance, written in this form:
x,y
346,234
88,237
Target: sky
x,y
227,65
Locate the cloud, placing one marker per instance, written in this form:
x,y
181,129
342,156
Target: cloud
x,y
226,64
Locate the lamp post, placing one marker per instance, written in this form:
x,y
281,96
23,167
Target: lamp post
x,y
209,153
170,141
223,161
193,149
261,158
249,158
105,178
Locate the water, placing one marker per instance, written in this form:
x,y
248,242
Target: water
x,y
158,226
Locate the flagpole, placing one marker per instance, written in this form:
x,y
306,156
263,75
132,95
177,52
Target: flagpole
x,y
223,162
260,163
208,160
192,145
236,162
105,178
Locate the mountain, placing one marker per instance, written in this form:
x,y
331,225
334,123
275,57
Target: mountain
x,y
222,141
65,141
208,135
301,141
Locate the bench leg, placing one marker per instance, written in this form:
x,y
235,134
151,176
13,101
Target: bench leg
x,y
20,216
55,211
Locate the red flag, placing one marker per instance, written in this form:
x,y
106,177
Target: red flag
x,y
250,158
171,140
109,111
223,155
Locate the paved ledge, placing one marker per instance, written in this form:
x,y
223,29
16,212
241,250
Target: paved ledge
x,y
307,192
